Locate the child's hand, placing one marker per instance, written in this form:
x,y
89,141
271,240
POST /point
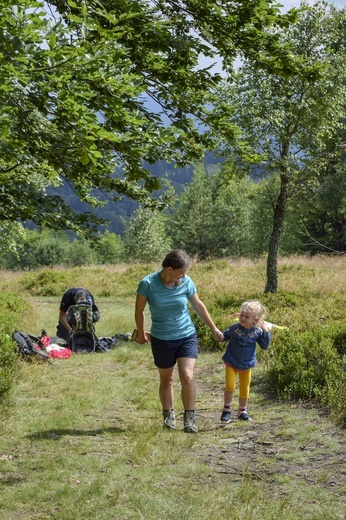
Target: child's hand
x,y
218,335
262,324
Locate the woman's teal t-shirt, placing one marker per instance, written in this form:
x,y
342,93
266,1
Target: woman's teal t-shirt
x,y
170,316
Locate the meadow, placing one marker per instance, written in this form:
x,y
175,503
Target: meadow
x,y
82,438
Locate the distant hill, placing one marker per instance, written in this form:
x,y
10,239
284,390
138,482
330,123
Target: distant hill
x,y
114,212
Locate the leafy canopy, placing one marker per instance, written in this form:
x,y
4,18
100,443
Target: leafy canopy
x,y
90,90
294,123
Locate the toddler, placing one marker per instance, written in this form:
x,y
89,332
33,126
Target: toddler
x,y
240,355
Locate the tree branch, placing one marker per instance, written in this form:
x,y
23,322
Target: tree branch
x,y
10,169
322,245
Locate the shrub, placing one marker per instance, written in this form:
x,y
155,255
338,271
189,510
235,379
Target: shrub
x,y
206,340
308,366
44,283
9,364
37,248
337,393
12,308
78,252
338,335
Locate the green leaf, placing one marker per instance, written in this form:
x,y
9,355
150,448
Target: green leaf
x,y
84,158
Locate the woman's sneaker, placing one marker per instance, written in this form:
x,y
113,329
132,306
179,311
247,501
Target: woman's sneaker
x,y
169,419
190,422
226,417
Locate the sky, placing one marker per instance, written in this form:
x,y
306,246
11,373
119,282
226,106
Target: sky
x,y
288,4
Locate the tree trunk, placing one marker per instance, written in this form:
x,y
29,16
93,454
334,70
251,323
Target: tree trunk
x,y
275,237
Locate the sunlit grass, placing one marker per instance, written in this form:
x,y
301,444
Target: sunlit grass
x,y
90,428
82,438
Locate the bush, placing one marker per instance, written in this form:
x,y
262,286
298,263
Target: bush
x,y
9,364
338,336
337,393
308,366
206,340
37,248
51,248
12,308
44,283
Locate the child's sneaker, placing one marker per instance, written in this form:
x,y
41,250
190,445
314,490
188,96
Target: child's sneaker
x,y
190,422
244,416
169,419
226,417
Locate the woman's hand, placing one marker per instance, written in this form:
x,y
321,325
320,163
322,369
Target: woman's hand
x,y
217,334
141,338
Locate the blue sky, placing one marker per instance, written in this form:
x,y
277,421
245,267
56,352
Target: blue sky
x,y
288,4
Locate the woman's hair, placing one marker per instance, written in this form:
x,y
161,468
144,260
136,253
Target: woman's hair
x,y
254,308
177,259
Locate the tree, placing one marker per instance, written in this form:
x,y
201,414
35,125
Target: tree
x,y
191,225
326,223
214,216
110,249
76,77
144,236
288,121
38,248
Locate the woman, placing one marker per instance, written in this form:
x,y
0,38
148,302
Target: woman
x,y
173,335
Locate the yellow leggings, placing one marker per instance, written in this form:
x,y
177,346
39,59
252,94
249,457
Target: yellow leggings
x,y
244,381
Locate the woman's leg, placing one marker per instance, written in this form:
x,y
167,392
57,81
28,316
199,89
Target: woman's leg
x,y
188,392
188,388
166,387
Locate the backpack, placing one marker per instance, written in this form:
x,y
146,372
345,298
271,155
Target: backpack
x,y
81,318
30,347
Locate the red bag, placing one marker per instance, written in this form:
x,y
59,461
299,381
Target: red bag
x,y
59,352
45,340
54,350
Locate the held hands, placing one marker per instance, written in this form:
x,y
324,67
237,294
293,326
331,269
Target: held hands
x,y
217,334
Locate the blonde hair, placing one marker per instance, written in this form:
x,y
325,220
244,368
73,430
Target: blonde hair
x,y
255,308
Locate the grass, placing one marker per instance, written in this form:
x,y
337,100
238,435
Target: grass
x,y
81,439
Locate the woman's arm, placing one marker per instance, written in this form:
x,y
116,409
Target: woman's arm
x,y
142,337
203,313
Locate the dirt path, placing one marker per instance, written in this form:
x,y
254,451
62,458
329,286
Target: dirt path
x,y
284,442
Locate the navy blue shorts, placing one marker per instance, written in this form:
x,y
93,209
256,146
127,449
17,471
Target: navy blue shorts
x,y
166,352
